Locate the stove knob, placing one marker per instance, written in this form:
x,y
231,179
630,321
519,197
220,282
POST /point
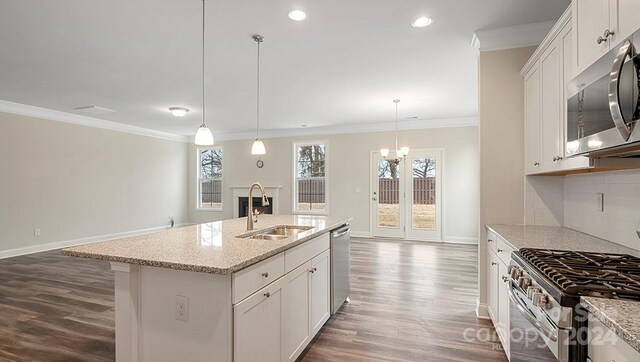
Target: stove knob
x,y
515,273
524,282
531,291
540,300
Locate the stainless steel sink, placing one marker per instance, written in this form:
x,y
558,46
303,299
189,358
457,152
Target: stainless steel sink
x,y
288,230
268,237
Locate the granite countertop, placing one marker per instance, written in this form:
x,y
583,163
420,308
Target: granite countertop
x,y
557,238
207,248
622,316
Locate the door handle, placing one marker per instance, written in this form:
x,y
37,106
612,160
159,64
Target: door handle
x,y
625,129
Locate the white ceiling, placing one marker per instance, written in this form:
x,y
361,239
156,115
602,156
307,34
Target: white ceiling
x,y
342,66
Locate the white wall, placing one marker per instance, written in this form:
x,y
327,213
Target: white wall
x,y
501,144
77,182
619,221
349,168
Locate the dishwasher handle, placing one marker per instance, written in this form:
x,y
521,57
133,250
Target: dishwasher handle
x,y
339,234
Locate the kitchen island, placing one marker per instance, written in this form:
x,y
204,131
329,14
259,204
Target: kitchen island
x,y
217,292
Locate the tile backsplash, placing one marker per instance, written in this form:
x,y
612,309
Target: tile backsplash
x,y
619,220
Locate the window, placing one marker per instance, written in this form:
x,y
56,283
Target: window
x,y
210,179
310,183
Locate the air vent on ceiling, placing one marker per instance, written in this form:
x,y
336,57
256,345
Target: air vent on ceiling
x,y
94,110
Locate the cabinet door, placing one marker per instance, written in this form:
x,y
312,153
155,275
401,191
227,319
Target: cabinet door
x,y
297,304
628,13
590,20
532,120
492,282
258,325
320,293
568,65
551,105
503,307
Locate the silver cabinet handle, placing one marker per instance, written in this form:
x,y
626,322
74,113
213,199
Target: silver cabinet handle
x,y
600,40
536,163
505,278
265,274
500,250
608,33
555,158
560,158
494,263
267,294
489,240
313,270
626,50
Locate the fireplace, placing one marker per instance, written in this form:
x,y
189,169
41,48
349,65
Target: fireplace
x,y
243,206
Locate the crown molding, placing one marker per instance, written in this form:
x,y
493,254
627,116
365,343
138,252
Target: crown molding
x,y
548,39
355,128
517,36
49,114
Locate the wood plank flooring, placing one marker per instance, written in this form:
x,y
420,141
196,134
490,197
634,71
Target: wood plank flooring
x,y
410,301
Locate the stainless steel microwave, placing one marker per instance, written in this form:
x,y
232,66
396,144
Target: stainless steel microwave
x,y
603,105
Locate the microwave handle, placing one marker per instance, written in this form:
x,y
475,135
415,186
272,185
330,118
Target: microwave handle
x,y
626,50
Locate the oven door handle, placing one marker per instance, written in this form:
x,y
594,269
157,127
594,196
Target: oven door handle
x,y
553,336
625,129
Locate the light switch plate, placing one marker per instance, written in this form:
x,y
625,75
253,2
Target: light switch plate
x,y
182,308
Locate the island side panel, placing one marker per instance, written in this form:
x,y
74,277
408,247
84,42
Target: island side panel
x,y
148,328
207,335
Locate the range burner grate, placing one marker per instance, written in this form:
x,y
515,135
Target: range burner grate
x,y
588,274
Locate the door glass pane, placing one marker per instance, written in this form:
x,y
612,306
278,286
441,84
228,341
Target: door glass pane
x,y
388,194
423,209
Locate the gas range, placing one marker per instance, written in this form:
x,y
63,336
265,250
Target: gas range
x,y
545,287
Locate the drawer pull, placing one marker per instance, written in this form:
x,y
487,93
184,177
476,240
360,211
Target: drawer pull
x,y
265,274
505,278
313,270
494,263
267,294
500,250
488,241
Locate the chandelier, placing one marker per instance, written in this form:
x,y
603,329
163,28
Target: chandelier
x,y
400,153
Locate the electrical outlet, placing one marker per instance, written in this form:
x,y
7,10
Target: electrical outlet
x,y
600,202
182,308
172,221
36,232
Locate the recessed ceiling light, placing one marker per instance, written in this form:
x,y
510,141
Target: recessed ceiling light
x,y
178,111
421,22
297,15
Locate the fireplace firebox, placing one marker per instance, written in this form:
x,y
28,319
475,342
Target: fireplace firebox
x,y
243,206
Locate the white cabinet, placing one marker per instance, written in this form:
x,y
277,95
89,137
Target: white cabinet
x,y
606,346
532,120
545,82
492,282
258,332
320,296
297,320
600,25
503,307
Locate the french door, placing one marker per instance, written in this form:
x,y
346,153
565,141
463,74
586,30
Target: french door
x,y
406,197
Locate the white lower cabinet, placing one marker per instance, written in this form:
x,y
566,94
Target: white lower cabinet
x,y
297,319
257,329
497,293
277,322
606,346
503,307
320,296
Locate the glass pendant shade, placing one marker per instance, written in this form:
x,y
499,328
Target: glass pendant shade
x,y
204,137
404,151
384,152
258,147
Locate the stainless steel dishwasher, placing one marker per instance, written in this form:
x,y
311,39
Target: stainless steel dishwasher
x,y
340,266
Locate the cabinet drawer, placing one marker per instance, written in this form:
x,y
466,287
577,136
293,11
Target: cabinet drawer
x,y
492,240
605,345
504,250
304,252
249,280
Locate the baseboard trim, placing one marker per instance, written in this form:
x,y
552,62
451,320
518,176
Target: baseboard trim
x,y
75,242
482,311
361,234
460,240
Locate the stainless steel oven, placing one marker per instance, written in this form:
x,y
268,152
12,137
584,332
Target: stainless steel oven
x,y
603,104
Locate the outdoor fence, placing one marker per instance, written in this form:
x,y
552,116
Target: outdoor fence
x,y
424,190
311,190
212,191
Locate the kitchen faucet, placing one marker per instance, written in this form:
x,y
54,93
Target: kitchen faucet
x,y
265,202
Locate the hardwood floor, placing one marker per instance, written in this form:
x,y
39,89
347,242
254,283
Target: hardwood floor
x,y
410,301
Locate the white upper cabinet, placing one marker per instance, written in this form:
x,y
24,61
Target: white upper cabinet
x,y
600,25
628,18
532,121
551,106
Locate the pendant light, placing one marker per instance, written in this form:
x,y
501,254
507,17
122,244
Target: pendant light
x,y
258,146
401,152
204,137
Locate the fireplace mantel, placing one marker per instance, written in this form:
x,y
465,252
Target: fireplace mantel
x,y
243,191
